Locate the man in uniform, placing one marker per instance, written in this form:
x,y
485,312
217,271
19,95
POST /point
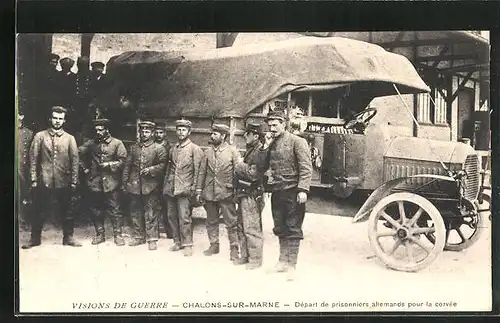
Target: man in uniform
x,y
53,61
54,174
161,138
289,161
24,138
249,191
50,87
142,176
82,98
216,188
180,186
107,156
97,84
67,84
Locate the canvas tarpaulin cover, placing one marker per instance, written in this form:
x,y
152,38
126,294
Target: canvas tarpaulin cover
x,y
231,82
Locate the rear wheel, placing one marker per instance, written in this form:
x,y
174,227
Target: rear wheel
x,y
396,235
463,231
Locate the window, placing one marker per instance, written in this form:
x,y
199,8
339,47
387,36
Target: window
x,y
432,112
424,107
440,108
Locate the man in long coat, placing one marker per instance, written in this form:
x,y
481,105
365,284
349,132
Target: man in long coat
x,y
54,176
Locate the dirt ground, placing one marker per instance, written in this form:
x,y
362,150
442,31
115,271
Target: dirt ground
x,y
336,268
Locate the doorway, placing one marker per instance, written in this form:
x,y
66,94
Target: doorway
x,y
466,98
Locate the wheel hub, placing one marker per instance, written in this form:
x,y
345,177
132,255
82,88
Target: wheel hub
x,y
403,233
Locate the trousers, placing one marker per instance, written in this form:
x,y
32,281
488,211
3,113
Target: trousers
x,y
228,210
288,214
179,214
162,213
54,202
102,204
144,216
250,229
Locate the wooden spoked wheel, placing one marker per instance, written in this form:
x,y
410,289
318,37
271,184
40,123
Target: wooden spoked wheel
x,y
397,228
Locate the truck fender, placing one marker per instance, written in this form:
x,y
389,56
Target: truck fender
x,y
384,190
486,196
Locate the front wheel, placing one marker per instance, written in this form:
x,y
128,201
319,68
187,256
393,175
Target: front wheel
x,y
395,234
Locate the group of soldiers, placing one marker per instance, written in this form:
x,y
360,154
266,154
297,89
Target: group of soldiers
x,y
163,182
77,92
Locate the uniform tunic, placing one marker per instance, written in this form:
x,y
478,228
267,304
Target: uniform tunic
x,y
180,184
249,192
107,158
216,185
54,166
289,161
144,190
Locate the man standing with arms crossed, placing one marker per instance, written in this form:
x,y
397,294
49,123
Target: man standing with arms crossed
x,y
216,188
161,139
54,176
142,176
289,161
107,156
249,191
183,168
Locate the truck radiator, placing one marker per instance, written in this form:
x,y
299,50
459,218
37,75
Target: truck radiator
x,y
471,182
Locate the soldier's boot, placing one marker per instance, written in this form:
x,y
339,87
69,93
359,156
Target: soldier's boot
x,y
233,253
188,251
34,242
136,242
282,265
99,237
240,261
293,253
152,245
176,247
212,250
68,227
70,241
119,241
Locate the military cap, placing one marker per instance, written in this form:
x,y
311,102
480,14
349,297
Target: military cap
x,y
97,64
59,109
221,128
160,125
102,122
183,123
54,57
276,115
66,61
147,124
253,127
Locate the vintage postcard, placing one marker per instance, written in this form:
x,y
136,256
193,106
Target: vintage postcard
x,y
254,172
